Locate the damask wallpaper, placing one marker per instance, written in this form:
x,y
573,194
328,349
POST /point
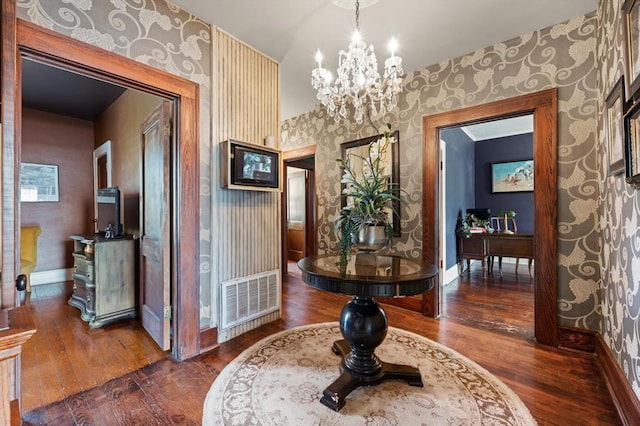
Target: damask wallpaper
x,y
598,215
561,56
619,209
599,266
157,33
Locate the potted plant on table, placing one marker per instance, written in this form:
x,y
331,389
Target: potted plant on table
x,y
365,222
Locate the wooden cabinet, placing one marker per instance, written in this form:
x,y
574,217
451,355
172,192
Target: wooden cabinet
x,y
103,279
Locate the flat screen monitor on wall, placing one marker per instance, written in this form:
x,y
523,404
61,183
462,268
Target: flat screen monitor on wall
x,y
108,203
250,167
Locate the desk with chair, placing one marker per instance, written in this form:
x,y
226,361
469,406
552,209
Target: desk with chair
x,y
486,246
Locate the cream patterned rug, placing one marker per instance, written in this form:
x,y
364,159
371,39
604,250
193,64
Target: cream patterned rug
x,y
280,379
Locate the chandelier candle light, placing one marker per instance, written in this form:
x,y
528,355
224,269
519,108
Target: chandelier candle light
x,y
358,80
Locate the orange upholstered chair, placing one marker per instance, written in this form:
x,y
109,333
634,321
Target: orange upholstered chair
x,y
28,251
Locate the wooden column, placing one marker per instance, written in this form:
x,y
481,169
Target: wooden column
x,y
20,329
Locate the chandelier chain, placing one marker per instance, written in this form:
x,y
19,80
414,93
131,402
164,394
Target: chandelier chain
x,y
358,15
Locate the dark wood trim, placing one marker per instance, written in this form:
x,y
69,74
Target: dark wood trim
x,y
9,115
624,398
543,106
15,413
208,338
292,155
299,153
47,46
578,339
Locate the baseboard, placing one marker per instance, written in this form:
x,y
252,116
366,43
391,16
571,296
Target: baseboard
x,y
52,276
450,274
624,398
578,339
208,338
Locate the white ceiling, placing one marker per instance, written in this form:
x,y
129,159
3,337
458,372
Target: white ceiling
x,y
499,128
428,31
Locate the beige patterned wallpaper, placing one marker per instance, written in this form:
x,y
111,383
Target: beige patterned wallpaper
x,y
619,208
561,56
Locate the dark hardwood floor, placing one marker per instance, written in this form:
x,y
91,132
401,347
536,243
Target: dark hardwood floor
x,y
559,387
501,303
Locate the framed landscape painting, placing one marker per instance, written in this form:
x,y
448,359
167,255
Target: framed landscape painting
x,y
512,176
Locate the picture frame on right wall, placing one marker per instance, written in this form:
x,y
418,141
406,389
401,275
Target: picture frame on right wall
x,y
631,34
632,145
614,128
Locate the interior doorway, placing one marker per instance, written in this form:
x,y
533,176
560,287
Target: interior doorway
x,y
41,45
543,107
301,162
494,293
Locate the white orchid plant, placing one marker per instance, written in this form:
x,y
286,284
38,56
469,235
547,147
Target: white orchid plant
x,y
369,193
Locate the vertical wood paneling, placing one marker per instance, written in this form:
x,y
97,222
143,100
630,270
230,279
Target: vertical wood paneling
x,y
248,227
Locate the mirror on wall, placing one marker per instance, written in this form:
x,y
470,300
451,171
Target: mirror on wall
x,y
358,149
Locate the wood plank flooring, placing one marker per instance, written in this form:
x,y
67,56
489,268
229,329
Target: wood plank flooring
x,y
501,303
66,357
559,387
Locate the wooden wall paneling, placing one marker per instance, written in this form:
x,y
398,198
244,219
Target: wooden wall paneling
x,y
248,225
47,46
543,105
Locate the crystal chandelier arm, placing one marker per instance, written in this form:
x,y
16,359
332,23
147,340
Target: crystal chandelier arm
x,y
358,81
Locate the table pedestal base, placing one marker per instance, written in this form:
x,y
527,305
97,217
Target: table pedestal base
x,y
334,396
363,324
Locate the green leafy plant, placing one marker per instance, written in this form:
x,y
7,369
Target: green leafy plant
x,y
368,192
472,221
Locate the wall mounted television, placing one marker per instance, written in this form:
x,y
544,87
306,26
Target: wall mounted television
x,y
250,167
108,203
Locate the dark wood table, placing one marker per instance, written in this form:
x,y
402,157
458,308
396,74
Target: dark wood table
x,y
363,322
486,246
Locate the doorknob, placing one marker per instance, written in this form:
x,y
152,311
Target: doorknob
x,y
21,282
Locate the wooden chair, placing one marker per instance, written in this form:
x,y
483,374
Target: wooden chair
x,y
29,251
509,224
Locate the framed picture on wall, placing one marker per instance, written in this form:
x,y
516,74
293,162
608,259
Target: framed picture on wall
x,y
39,182
631,33
632,145
614,128
512,176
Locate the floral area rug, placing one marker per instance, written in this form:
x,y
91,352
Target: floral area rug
x,y
280,379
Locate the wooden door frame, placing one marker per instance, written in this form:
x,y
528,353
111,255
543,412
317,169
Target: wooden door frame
x,y
288,156
24,39
544,107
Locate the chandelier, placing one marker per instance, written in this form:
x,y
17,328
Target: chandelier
x,y
358,80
